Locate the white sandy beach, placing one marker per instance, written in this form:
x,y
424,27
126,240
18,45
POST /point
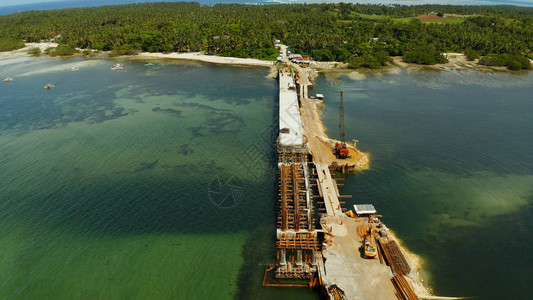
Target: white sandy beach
x,y
23,51
198,56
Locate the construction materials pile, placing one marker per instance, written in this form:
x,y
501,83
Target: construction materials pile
x,y
403,289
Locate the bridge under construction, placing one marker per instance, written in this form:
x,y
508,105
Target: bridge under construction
x,y
318,243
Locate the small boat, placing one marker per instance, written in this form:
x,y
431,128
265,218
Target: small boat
x,y
149,65
75,69
118,67
8,79
48,86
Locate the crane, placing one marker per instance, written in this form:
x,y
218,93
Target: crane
x,y
341,151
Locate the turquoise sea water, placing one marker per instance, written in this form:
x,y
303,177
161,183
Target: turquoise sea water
x,y
158,182
451,170
127,184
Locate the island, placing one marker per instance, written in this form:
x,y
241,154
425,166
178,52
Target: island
x,y
351,35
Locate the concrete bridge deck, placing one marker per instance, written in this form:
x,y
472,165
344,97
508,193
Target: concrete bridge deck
x,y
343,265
290,122
338,264
328,189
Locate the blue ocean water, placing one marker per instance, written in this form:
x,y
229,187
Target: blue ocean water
x,y
451,170
129,184
152,182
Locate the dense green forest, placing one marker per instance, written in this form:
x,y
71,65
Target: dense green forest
x,y
359,34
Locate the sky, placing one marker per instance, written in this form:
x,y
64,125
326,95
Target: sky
x,y
17,2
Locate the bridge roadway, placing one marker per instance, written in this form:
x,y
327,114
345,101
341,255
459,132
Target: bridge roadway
x,y
328,190
339,264
322,154
342,265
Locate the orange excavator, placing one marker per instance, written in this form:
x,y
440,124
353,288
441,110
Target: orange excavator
x,y
341,151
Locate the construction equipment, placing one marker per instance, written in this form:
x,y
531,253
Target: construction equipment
x,y
370,247
341,151
366,232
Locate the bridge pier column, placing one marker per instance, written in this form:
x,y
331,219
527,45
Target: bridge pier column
x,y
298,257
282,257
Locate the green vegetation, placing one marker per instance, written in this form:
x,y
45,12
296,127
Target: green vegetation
x,y
511,61
266,53
425,55
357,34
375,18
89,53
472,54
34,51
447,20
10,44
375,60
331,53
61,50
124,49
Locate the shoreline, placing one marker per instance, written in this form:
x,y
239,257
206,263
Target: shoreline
x,y
191,56
457,61
417,265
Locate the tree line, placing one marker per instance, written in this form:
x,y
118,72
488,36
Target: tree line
x,y
322,31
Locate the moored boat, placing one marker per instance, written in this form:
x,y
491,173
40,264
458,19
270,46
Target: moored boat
x,y
118,67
